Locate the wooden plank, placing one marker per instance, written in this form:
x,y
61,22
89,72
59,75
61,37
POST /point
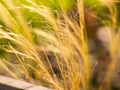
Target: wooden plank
x,y
7,83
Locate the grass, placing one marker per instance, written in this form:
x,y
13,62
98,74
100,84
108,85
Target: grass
x,y
54,53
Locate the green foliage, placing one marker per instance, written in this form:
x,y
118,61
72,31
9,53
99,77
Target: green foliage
x,y
98,9
34,19
57,4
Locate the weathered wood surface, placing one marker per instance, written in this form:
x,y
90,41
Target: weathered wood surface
x,y
7,83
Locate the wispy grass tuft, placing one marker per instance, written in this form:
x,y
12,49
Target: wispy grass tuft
x,y
56,57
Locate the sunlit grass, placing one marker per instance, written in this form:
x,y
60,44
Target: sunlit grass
x,y
66,39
